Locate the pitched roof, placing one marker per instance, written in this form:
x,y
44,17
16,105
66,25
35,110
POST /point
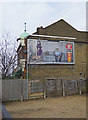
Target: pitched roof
x,y
62,28
62,22
59,26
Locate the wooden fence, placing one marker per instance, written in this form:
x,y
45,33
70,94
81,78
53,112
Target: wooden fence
x,y
17,89
56,87
14,89
36,89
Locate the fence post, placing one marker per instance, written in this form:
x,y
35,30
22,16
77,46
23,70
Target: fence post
x,y
44,89
29,87
63,87
80,87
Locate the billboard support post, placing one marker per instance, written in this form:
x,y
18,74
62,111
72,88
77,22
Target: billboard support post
x,y
27,70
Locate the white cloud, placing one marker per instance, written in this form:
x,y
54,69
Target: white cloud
x,y
41,13
33,13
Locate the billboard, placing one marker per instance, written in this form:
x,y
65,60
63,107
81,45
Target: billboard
x,y
50,52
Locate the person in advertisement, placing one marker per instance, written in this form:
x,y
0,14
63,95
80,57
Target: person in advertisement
x,y
57,55
39,50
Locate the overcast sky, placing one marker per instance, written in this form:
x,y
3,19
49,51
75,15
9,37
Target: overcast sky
x,y
36,14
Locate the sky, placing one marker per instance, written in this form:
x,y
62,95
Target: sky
x,y
36,14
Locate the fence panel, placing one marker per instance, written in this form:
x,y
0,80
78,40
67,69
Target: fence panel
x,y
53,87
6,92
36,89
25,92
50,87
71,87
82,85
17,89
64,87
14,89
59,87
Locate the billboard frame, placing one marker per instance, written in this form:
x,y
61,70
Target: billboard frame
x,y
50,63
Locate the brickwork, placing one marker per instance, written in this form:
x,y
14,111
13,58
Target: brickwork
x,y
61,28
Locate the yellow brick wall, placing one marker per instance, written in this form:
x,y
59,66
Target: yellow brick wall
x,y
58,71
61,28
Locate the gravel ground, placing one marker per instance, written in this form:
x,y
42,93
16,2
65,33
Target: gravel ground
x,y
61,107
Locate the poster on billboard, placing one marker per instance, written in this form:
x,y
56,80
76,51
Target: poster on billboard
x,y
50,52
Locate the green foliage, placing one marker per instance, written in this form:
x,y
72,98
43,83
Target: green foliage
x,y
15,75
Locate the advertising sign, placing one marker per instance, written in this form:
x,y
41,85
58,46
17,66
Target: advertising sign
x,y
50,52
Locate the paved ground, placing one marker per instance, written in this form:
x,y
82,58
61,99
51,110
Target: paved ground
x,y
62,107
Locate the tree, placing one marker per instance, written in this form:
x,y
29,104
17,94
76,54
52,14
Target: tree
x,y
8,54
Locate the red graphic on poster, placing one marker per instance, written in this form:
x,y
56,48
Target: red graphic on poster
x,y
69,54
69,46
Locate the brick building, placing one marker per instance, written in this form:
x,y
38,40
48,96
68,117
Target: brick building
x,y
50,71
